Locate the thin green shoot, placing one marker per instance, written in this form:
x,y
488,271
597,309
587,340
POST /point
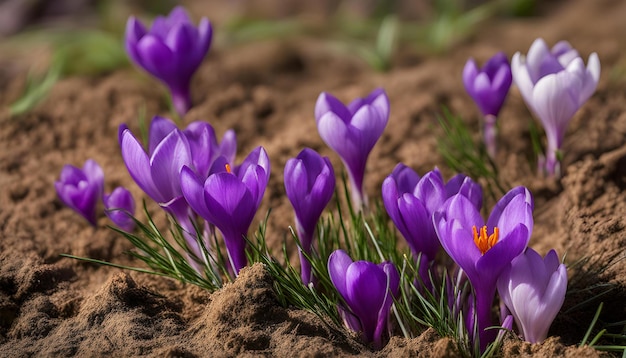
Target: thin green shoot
x,y
463,155
592,325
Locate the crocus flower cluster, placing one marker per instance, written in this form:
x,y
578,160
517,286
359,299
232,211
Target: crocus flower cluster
x,y
483,250
171,50
411,201
488,87
368,291
309,185
554,84
158,174
352,131
82,189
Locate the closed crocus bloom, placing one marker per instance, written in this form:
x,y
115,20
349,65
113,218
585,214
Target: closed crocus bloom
x,y
483,250
352,131
554,83
81,189
411,201
309,184
119,206
158,172
368,290
229,199
172,50
533,289
488,87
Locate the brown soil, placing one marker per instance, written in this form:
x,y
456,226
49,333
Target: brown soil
x,y
53,306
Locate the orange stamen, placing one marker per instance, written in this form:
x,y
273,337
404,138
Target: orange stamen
x,y
484,242
227,168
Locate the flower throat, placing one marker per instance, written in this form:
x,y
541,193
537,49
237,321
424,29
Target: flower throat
x,y
484,242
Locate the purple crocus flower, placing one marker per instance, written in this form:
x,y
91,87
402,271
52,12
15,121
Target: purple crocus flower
x,y
157,173
368,291
229,199
554,84
488,87
172,50
352,131
483,251
119,206
533,289
309,183
81,189
410,202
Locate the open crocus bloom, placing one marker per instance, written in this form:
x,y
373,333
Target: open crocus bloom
x,y
229,199
119,206
554,84
368,290
533,289
482,249
309,184
81,189
410,201
171,51
351,131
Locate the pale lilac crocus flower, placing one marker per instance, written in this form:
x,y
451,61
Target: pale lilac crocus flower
x,y
119,206
171,50
483,250
229,199
533,289
352,131
488,87
81,189
554,84
309,183
368,290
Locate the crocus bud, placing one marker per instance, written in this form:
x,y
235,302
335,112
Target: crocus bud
x,y
351,131
554,84
172,50
368,290
81,189
119,206
229,199
489,85
309,183
533,289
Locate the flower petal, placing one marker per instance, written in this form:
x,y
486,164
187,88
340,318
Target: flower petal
x,y
192,188
338,263
513,208
327,103
160,127
138,165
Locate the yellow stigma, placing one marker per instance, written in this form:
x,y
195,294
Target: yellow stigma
x,y
484,242
227,166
